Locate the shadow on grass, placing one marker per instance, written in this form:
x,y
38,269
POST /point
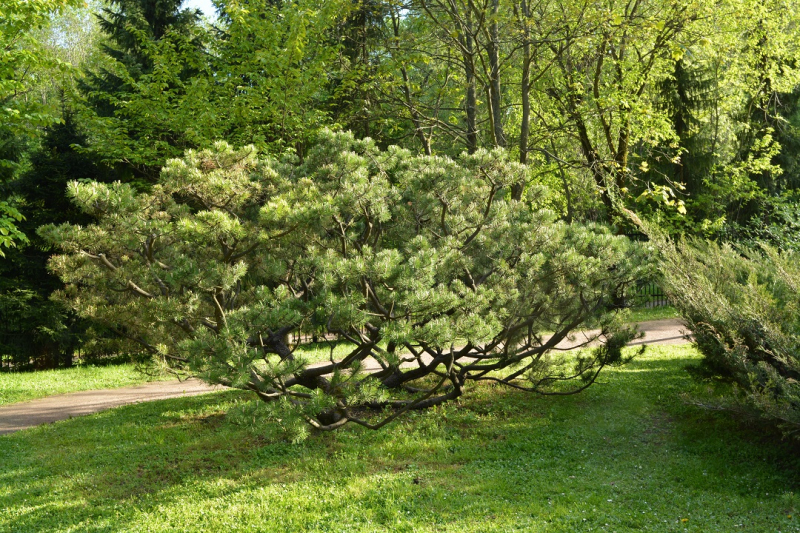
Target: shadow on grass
x,y
494,460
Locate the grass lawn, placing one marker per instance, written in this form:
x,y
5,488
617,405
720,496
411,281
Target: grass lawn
x,y
627,455
21,386
643,314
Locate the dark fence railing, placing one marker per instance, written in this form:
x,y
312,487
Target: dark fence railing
x,y
21,350
644,293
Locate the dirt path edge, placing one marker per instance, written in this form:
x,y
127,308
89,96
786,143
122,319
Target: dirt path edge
x,y
23,415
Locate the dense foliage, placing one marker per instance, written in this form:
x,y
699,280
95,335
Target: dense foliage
x,y
685,112
38,332
426,265
743,306
21,63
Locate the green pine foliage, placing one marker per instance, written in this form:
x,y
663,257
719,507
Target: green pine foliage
x,y
743,306
425,265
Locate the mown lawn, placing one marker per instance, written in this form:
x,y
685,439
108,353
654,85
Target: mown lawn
x,y
643,314
21,386
627,455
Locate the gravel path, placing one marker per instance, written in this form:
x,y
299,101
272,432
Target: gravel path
x,y
23,415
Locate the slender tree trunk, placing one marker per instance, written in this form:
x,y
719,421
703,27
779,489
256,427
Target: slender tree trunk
x,y
416,119
596,167
419,130
525,85
564,182
494,78
471,103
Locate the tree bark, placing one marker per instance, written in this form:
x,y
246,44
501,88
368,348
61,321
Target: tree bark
x,y
494,77
416,119
471,105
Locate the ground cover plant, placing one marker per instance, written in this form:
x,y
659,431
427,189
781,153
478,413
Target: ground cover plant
x,y
627,455
431,267
22,386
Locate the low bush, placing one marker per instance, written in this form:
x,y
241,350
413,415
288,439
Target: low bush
x,y
743,306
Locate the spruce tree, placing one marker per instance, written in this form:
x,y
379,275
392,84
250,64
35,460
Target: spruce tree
x,y
141,35
686,96
128,24
35,330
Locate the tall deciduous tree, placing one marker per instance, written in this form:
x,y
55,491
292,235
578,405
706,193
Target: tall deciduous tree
x,y
534,75
21,116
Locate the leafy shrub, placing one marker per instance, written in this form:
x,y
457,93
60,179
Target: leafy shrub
x,y
777,224
743,306
425,265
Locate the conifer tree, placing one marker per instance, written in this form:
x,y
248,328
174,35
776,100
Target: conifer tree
x,y
152,47
426,267
36,330
128,25
686,95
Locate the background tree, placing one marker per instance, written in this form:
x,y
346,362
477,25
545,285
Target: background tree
x,y
36,331
132,107
20,116
270,85
735,150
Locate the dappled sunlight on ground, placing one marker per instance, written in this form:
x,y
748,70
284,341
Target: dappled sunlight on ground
x,y
628,453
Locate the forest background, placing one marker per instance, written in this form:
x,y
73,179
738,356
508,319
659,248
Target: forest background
x,y
686,113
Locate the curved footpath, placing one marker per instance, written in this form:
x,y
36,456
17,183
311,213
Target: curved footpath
x,y
15,417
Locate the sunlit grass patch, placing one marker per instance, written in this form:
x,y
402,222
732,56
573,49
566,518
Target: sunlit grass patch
x,y
22,386
626,455
644,314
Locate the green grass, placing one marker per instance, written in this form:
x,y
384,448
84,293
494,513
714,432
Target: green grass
x,y
625,456
643,314
321,351
21,386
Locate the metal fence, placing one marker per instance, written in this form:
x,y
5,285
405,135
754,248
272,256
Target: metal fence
x,y
24,351
644,293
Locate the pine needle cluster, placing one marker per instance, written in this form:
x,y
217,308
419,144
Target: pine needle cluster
x,y
428,268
